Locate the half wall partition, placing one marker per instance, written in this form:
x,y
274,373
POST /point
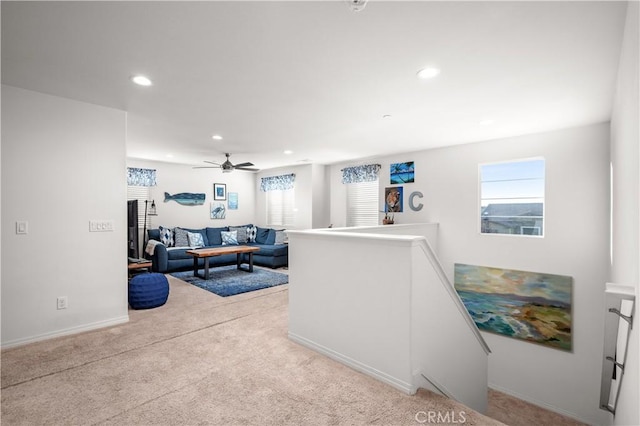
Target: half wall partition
x,y
378,300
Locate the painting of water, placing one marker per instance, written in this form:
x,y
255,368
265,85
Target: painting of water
x,y
532,306
402,172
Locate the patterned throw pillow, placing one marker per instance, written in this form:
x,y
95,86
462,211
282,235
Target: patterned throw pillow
x,y
252,231
166,236
242,233
281,237
229,238
180,238
195,239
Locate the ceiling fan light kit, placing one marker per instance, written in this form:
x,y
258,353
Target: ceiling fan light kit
x,y
357,5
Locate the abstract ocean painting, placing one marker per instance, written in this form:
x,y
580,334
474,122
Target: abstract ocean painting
x,y
402,172
532,306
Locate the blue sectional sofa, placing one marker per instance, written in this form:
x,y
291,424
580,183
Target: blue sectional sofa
x,y
166,257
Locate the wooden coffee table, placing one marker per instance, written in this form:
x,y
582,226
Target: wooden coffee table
x,y
206,253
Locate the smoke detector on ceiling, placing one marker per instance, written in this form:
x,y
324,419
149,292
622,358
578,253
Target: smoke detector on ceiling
x,y
357,5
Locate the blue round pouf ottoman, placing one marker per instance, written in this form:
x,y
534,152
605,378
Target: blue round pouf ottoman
x,y
148,291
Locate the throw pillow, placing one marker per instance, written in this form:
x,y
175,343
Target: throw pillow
x,y
180,238
195,239
242,233
281,237
202,232
166,236
251,234
229,238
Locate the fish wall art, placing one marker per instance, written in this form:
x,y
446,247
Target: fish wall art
x,y
186,198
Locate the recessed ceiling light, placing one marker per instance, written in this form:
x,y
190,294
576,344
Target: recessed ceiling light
x,y
486,122
216,137
428,72
387,116
141,80
287,152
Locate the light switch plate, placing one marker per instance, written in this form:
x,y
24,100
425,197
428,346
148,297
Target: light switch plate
x,y
100,226
22,227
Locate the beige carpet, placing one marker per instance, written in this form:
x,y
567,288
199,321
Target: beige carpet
x,y
204,359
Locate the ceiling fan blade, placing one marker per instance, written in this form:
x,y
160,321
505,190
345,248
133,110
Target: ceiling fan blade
x,y
248,169
243,165
211,162
206,167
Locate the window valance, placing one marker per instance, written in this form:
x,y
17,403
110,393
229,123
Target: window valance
x,y
141,177
366,173
274,183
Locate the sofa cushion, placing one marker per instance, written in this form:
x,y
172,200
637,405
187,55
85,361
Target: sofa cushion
x,y
166,236
180,237
229,238
200,231
271,250
271,238
154,234
178,253
213,236
261,235
195,239
241,232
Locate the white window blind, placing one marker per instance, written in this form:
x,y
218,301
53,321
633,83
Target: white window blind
x,y
362,203
140,193
281,208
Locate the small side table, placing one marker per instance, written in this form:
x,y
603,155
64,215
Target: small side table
x,y
139,266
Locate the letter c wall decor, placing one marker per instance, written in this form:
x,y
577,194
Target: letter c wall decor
x,y
411,204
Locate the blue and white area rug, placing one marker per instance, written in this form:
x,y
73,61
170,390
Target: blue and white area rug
x,y
228,280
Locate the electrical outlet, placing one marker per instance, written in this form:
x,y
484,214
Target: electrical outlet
x,y
62,302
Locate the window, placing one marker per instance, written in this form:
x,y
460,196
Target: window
x,y
362,203
281,207
140,193
362,194
512,197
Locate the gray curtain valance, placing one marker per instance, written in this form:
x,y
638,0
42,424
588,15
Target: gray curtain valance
x,y
141,177
366,173
274,183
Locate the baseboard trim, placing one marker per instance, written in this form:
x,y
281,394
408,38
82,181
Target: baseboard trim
x,y
356,365
65,332
538,403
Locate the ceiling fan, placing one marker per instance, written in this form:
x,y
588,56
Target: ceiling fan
x,y
228,167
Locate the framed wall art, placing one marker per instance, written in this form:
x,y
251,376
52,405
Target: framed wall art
x,y
233,201
393,199
402,172
218,211
219,191
531,306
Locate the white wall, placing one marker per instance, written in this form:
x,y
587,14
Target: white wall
x,y
625,158
320,198
576,243
178,178
63,164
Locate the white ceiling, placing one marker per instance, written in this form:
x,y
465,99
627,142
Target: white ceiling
x,y
315,77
